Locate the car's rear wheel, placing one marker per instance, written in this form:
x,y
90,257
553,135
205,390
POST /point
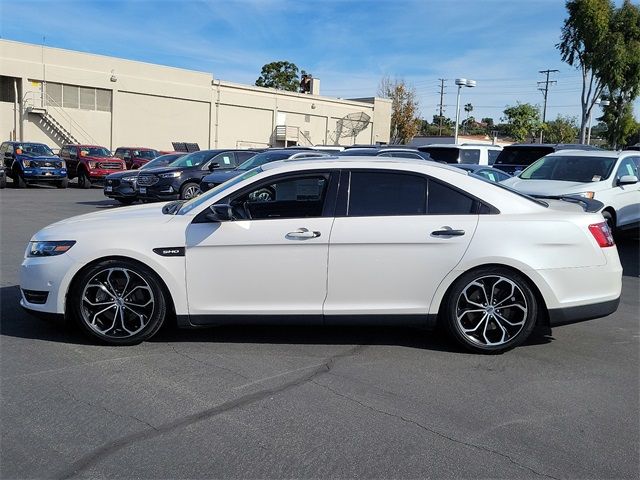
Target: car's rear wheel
x,y
189,191
118,302
491,310
83,180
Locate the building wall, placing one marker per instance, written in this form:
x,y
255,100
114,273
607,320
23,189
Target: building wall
x,y
153,105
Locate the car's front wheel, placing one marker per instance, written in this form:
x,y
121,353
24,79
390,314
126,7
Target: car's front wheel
x,y
118,302
189,191
491,310
83,180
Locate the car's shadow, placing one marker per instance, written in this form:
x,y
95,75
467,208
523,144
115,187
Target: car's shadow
x,y
629,250
101,203
15,322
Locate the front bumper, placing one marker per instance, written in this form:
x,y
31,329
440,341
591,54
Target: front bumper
x,y
45,274
43,174
160,191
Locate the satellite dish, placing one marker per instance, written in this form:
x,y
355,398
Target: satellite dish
x,y
351,125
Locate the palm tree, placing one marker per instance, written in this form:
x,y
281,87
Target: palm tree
x,y
467,108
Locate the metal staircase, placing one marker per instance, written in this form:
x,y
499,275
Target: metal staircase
x,y
286,134
54,119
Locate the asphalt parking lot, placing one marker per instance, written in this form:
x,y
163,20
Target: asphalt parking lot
x,y
308,402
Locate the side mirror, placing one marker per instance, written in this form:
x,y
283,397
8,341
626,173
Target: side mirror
x,y
213,166
627,180
220,212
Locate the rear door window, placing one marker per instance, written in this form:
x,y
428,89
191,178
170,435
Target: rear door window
x,y
444,200
493,154
386,194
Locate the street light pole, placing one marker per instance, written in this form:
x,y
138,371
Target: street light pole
x,y
461,82
602,103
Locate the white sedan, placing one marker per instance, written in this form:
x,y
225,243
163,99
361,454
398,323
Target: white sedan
x,y
609,177
331,241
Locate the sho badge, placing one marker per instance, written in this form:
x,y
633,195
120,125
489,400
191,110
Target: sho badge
x,y
170,251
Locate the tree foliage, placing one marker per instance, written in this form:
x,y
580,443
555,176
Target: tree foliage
x,y
602,41
563,129
522,121
281,75
405,123
620,122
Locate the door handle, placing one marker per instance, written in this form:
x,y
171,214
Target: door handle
x,y
303,234
447,232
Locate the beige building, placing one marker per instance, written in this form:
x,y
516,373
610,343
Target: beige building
x,y
57,96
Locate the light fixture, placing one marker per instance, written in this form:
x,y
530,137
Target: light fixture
x,y
461,82
113,76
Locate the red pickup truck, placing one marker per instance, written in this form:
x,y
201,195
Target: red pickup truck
x,y
136,157
90,163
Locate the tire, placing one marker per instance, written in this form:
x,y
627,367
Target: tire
x,y
64,183
476,324
18,181
611,221
126,201
189,190
118,302
83,180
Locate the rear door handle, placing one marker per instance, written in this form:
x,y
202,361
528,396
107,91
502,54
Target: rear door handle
x,y
447,232
303,234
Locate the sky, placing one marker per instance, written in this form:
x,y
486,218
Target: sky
x,y
349,45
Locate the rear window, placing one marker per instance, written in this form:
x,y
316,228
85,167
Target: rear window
x,y
443,154
521,155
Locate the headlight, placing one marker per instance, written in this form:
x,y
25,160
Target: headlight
x,y
26,163
63,164
92,165
131,179
49,249
170,175
588,195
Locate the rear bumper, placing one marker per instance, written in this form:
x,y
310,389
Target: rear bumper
x,y
565,316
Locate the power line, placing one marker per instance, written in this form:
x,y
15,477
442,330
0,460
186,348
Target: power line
x,y
441,105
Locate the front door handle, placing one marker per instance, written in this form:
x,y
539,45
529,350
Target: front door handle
x,y
447,232
303,234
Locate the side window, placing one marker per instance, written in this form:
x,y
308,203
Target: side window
x,y
386,193
493,154
292,197
444,200
224,160
118,153
73,151
243,156
3,148
469,156
64,152
627,167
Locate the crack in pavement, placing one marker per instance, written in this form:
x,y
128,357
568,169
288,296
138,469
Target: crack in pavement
x,y
103,451
202,362
432,431
102,407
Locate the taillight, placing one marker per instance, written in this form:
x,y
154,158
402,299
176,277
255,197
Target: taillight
x,y
602,233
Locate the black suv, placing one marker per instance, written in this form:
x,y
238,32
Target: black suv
x,y
515,158
182,179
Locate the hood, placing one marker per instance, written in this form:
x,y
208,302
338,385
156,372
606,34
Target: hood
x,y
122,219
159,170
548,187
51,158
123,173
223,176
101,159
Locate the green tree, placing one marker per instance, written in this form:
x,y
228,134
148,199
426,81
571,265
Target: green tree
x,y
623,78
563,129
522,121
405,123
281,75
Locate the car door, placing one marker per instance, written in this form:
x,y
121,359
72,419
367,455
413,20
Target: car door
x,y
271,258
626,198
390,248
72,163
64,155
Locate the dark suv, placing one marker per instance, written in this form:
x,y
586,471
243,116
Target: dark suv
x,y
121,186
135,157
27,162
515,158
90,163
181,180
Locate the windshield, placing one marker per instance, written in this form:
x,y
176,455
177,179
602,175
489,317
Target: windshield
x,y
34,149
193,159
521,155
262,158
570,169
162,161
194,202
145,153
439,154
94,152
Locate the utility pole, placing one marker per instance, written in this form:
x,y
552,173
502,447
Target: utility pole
x,y
441,105
545,92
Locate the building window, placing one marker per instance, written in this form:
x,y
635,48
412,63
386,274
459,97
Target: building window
x,y
54,93
70,96
7,92
87,98
103,100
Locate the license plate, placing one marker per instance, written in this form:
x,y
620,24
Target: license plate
x,y
108,189
47,173
143,189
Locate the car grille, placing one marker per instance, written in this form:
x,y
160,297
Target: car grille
x,y
147,179
45,163
110,165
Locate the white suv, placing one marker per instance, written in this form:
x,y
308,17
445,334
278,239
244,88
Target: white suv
x,y
467,153
609,177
